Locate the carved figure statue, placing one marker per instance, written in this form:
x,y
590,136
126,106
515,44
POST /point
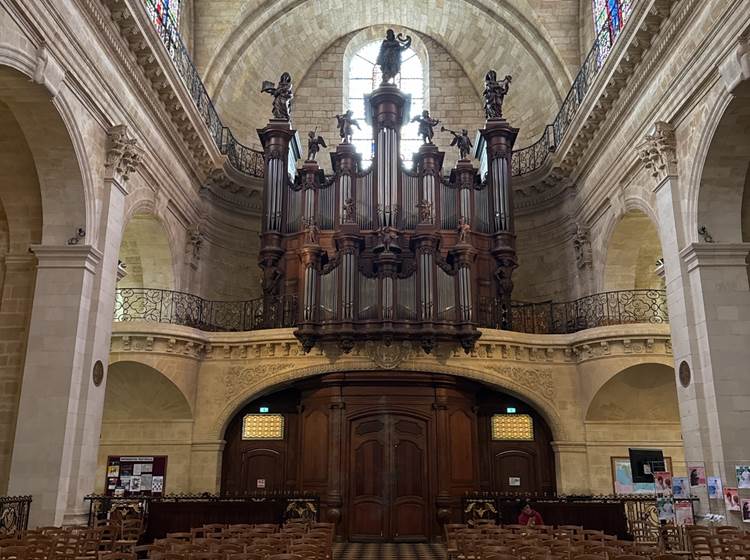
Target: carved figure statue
x,y
426,125
282,96
195,241
464,228
461,141
311,232
345,123
271,277
582,246
425,211
350,212
389,57
494,94
314,143
388,236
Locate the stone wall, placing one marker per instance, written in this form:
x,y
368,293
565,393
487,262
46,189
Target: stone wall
x,y
218,373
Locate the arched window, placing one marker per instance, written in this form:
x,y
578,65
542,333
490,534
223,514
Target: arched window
x,y
609,18
365,76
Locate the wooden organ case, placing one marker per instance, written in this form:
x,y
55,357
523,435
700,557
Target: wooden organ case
x,y
389,254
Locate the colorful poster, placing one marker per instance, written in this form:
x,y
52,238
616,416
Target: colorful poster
x,y
684,513
135,484
137,469
663,483
731,499
665,507
622,479
743,476
746,511
680,487
147,468
714,488
113,471
697,475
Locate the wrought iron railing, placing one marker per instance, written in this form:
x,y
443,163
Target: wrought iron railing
x,y
242,158
14,514
179,308
531,158
597,310
250,161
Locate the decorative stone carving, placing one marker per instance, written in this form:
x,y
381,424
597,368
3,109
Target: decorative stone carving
x,y
123,153
388,357
194,243
658,153
539,380
582,246
238,378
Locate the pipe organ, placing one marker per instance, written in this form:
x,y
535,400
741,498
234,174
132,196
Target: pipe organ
x,y
388,253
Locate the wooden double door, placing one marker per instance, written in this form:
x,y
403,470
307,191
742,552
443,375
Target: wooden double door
x,y
388,478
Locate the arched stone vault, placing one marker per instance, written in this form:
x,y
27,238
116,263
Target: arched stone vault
x,y
292,34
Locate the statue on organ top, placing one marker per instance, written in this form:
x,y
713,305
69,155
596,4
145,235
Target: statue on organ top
x,y
494,94
314,143
282,96
426,125
345,124
461,141
389,57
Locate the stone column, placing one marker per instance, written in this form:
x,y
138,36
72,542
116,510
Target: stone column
x,y
62,396
708,297
205,466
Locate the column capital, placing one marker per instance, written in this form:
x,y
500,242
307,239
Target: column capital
x,y
702,255
67,256
123,156
658,152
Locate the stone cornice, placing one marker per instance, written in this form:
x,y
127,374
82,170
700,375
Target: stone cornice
x,y
716,255
67,256
494,347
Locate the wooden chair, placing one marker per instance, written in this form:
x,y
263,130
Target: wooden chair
x,y
167,556
19,552
499,557
285,557
308,551
118,556
246,556
181,536
205,556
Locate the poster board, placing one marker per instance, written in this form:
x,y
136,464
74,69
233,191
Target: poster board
x,y
135,475
622,477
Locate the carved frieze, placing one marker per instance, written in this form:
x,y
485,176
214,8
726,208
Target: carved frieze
x,y
537,379
123,153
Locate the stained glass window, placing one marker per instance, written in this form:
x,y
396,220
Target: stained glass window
x,y
263,426
365,76
609,18
512,427
163,10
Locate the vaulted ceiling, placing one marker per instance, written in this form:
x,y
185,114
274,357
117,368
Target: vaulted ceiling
x,y
239,43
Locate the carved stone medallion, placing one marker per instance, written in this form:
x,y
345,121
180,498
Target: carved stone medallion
x,y
388,357
98,373
684,374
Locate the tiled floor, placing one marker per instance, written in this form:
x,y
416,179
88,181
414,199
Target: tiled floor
x,y
389,551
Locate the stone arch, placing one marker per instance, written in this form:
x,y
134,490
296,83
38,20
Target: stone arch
x,y
138,391
504,28
722,174
146,252
632,249
57,149
646,391
276,378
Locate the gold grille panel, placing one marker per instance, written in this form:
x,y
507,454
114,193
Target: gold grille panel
x,y
513,427
263,426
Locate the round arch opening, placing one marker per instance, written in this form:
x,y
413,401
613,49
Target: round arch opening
x,y
382,449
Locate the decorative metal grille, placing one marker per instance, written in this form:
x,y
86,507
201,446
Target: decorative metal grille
x,y
263,426
512,427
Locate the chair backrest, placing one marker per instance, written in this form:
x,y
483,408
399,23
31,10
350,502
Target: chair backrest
x,y
118,556
246,556
285,557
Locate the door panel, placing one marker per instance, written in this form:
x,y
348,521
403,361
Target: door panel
x,y
389,478
368,498
262,464
518,464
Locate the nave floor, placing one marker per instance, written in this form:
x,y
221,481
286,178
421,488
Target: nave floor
x,y
389,551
